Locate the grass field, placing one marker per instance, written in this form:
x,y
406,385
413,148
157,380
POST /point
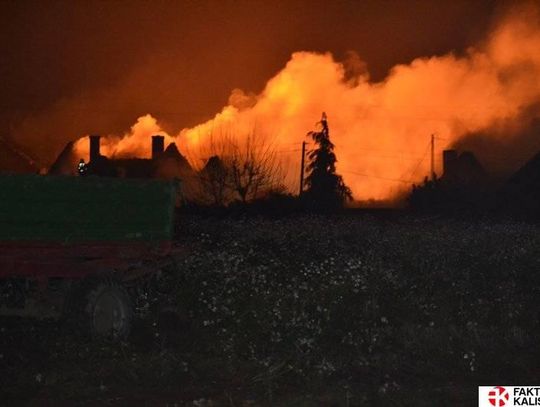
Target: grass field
x,y
349,310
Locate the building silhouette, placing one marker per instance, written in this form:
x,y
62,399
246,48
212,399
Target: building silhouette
x,y
163,163
464,186
462,169
521,192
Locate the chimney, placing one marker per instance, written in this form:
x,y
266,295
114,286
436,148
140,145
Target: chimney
x,y
94,147
158,146
450,158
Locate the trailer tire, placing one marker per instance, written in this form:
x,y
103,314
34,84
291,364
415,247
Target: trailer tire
x,y
102,308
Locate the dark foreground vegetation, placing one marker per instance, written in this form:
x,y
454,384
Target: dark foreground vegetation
x,y
306,311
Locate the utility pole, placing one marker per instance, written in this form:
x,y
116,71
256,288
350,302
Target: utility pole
x,y
302,168
433,157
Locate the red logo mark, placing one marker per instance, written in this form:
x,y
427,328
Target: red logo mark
x,y
498,396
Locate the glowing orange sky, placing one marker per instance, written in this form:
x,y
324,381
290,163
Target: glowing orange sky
x,y
389,74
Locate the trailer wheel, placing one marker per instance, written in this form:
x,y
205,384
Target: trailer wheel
x,y
99,306
108,310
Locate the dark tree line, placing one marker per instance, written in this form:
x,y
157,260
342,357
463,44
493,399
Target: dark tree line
x,y
251,170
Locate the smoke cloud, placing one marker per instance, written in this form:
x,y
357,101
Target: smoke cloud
x,y
486,99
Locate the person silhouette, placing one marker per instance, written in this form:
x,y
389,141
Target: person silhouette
x,y
82,168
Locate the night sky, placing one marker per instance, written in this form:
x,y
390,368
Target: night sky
x,y
113,61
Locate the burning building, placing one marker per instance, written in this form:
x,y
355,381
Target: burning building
x,y
163,163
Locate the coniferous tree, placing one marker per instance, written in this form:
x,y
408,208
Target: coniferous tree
x,y
325,188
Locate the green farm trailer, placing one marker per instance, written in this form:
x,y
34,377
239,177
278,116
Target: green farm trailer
x,y
78,245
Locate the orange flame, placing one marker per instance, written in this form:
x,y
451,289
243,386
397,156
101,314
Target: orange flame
x,y
381,130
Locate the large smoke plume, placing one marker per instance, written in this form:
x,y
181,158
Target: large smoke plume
x,y
486,99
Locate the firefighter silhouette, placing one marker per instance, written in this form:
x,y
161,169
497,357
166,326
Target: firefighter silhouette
x,y
82,168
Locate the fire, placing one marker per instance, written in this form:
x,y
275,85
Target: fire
x,y
381,129
132,144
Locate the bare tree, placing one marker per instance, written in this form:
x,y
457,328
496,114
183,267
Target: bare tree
x,y
242,167
213,179
212,172
254,168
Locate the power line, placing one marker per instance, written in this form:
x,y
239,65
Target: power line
x,y
288,151
385,150
420,162
378,177
396,157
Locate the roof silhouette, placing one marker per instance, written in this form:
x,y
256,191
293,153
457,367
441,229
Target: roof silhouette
x,y
14,160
